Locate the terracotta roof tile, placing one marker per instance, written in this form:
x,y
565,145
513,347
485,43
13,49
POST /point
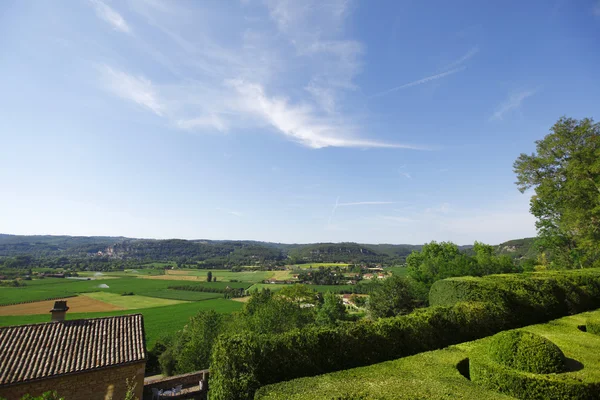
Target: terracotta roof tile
x,y
49,349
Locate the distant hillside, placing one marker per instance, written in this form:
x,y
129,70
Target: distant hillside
x,y
518,248
222,252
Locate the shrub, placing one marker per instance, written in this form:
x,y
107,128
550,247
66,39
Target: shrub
x,y
592,325
534,297
526,351
492,375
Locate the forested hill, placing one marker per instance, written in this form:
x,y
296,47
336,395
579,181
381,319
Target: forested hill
x,y
218,252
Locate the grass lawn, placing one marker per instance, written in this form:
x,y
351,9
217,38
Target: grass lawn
x,y
158,321
434,375
131,302
400,271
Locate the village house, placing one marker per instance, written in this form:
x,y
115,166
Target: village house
x,y
84,359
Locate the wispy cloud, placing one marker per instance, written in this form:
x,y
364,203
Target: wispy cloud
x,y
301,123
112,17
136,89
365,203
463,59
513,102
231,86
596,9
230,212
418,82
355,203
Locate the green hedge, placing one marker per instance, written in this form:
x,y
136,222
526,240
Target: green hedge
x,y
491,375
535,297
526,351
243,363
592,325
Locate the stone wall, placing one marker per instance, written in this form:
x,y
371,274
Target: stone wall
x,y
103,384
189,381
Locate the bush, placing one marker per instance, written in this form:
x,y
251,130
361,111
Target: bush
x,y
526,351
492,375
592,325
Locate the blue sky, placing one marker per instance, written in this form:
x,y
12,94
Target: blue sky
x,y
290,121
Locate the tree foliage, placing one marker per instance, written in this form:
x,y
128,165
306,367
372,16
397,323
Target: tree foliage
x,y
332,310
565,174
443,260
396,296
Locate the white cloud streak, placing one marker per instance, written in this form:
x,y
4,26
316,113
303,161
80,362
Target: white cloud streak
x,y
136,89
300,123
512,103
223,88
230,212
418,82
596,9
352,204
463,59
110,16
365,203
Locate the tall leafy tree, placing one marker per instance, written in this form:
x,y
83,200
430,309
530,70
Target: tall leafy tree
x,y
565,175
332,310
396,296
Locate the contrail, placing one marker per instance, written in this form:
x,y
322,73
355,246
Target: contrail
x,y
419,82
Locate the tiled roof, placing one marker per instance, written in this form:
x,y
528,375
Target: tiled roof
x,y
49,349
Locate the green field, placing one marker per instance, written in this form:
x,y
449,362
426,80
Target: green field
x,y
50,288
317,265
132,302
319,288
187,295
435,375
158,321
226,275
400,271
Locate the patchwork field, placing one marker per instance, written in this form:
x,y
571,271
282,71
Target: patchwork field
x,y
78,304
158,321
155,294
444,374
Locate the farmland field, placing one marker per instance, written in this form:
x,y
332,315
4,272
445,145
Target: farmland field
x,y
128,302
317,265
187,295
400,271
158,321
80,303
51,288
165,309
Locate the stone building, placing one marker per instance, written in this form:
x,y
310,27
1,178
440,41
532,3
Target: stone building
x,y
87,359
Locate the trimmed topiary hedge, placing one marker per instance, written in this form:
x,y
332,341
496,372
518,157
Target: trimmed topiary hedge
x,y
534,297
592,325
525,365
526,351
243,363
